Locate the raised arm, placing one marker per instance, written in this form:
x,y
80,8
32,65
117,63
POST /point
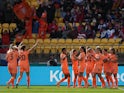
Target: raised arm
x,y
33,46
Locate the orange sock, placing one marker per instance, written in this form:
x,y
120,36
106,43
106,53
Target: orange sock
x,y
79,81
75,82
107,78
28,80
111,80
11,81
69,81
18,80
103,82
85,80
116,81
94,82
62,80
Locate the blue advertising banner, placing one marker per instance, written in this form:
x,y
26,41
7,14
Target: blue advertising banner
x,y
46,75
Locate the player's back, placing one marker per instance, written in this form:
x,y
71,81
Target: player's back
x,y
12,57
23,58
74,62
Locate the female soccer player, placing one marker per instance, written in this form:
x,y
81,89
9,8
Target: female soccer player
x,y
107,67
114,65
89,62
82,66
24,63
74,60
97,70
64,66
11,57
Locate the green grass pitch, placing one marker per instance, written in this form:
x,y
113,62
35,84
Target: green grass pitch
x,y
61,89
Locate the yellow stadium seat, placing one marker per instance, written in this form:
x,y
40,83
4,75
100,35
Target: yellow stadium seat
x,y
25,41
57,20
31,42
38,50
12,26
117,40
111,41
5,26
61,41
96,41
34,36
76,41
76,47
107,46
46,41
54,41
0,28
46,49
89,42
104,41
0,36
60,20
34,3
68,41
83,41
61,24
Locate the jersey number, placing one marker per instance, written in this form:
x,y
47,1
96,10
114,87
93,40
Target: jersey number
x,y
22,57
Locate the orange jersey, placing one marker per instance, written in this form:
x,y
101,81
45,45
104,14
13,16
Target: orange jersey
x,y
113,64
64,62
82,62
12,57
23,61
74,62
106,64
98,64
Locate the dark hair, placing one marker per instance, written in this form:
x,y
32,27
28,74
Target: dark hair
x,y
105,50
63,49
113,50
74,50
100,50
23,47
84,49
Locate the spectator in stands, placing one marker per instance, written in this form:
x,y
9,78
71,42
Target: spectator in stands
x,y
50,11
52,61
52,26
101,25
68,17
59,32
42,26
53,34
5,38
110,31
2,19
89,31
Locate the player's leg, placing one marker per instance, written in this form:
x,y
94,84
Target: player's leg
x,y
28,79
68,79
79,79
75,79
107,79
102,80
58,83
11,80
111,80
94,80
19,78
116,80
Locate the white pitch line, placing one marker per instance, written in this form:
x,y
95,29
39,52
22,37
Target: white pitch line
x,y
121,88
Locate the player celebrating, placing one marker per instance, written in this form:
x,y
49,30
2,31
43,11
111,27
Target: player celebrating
x,y
11,57
97,70
89,63
74,60
114,64
107,67
82,67
24,63
64,66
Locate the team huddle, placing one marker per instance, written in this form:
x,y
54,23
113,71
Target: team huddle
x,y
93,62
18,56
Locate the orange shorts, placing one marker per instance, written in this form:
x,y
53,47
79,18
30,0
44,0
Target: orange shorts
x,y
65,71
75,71
114,70
82,68
12,69
97,69
89,68
24,68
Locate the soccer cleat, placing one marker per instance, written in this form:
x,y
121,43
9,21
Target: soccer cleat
x,y
8,85
58,84
17,85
